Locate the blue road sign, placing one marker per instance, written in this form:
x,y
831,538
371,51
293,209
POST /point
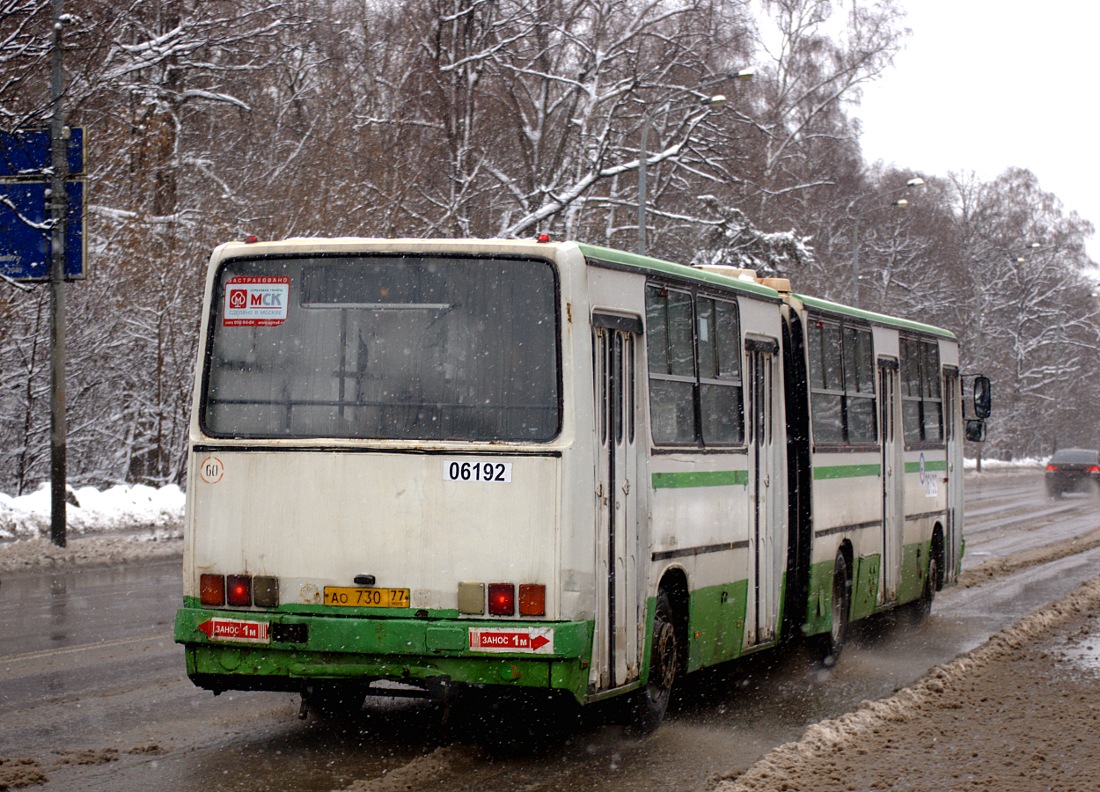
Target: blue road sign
x,y
25,236
28,153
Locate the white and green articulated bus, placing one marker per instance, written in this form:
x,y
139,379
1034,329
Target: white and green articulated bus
x,y
517,467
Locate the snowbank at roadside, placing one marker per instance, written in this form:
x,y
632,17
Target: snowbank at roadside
x,y
121,524
122,508
812,762
999,466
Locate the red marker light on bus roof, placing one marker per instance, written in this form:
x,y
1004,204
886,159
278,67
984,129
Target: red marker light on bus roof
x,y
251,238
543,238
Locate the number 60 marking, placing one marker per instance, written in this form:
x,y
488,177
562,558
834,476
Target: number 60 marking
x,y
211,470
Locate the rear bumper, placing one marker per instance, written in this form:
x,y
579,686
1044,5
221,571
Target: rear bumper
x,y
248,650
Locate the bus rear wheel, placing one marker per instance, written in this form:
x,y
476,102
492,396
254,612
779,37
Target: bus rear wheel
x,y
651,702
923,606
833,643
334,701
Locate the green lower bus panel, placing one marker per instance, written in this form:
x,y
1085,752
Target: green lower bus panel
x,y
819,617
249,650
914,566
716,624
865,587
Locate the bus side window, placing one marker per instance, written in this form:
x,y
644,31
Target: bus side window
x,y
842,384
933,391
859,385
921,391
826,383
671,347
720,400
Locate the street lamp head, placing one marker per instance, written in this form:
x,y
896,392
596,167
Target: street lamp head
x,y
742,74
916,181
715,101
901,203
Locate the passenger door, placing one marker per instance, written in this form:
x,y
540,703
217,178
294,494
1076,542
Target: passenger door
x,y
952,417
619,608
893,478
766,487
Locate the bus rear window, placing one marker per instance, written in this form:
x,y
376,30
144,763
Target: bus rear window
x,y
383,347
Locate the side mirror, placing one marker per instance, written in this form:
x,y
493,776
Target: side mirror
x,y
975,430
983,397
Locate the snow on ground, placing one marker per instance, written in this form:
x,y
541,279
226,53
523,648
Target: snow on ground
x,y
1014,715
122,523
996,464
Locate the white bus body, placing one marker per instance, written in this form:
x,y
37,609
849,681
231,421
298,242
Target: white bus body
x,y
531,466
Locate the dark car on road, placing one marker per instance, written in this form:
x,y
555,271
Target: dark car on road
x,y
1071,469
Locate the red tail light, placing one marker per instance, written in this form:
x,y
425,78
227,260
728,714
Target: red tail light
x,y
1094,468
212,590
238,590
1052,468
502,599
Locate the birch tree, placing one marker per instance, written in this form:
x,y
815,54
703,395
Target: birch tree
x,y
816,55
207,120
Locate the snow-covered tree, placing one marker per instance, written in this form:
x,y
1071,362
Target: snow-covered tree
x,y
207,120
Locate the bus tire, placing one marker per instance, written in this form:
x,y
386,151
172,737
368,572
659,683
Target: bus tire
x,y
651,702
923,606
833,642
335,701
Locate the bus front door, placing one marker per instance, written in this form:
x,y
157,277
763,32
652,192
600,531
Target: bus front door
x,y
620,603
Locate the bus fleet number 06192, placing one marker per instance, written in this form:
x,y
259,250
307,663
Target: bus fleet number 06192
x,y
477,471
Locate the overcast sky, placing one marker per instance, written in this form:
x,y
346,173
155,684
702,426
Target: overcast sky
x,y
988,84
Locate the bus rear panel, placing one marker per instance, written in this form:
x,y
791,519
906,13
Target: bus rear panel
x,y
376,475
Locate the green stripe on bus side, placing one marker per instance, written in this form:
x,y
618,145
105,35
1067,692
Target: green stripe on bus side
x,y
846,471
933,464
704,478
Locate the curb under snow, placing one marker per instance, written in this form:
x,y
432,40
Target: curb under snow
x,y
777,769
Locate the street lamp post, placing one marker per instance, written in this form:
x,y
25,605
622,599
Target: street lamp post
x,y
901,203
714,102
